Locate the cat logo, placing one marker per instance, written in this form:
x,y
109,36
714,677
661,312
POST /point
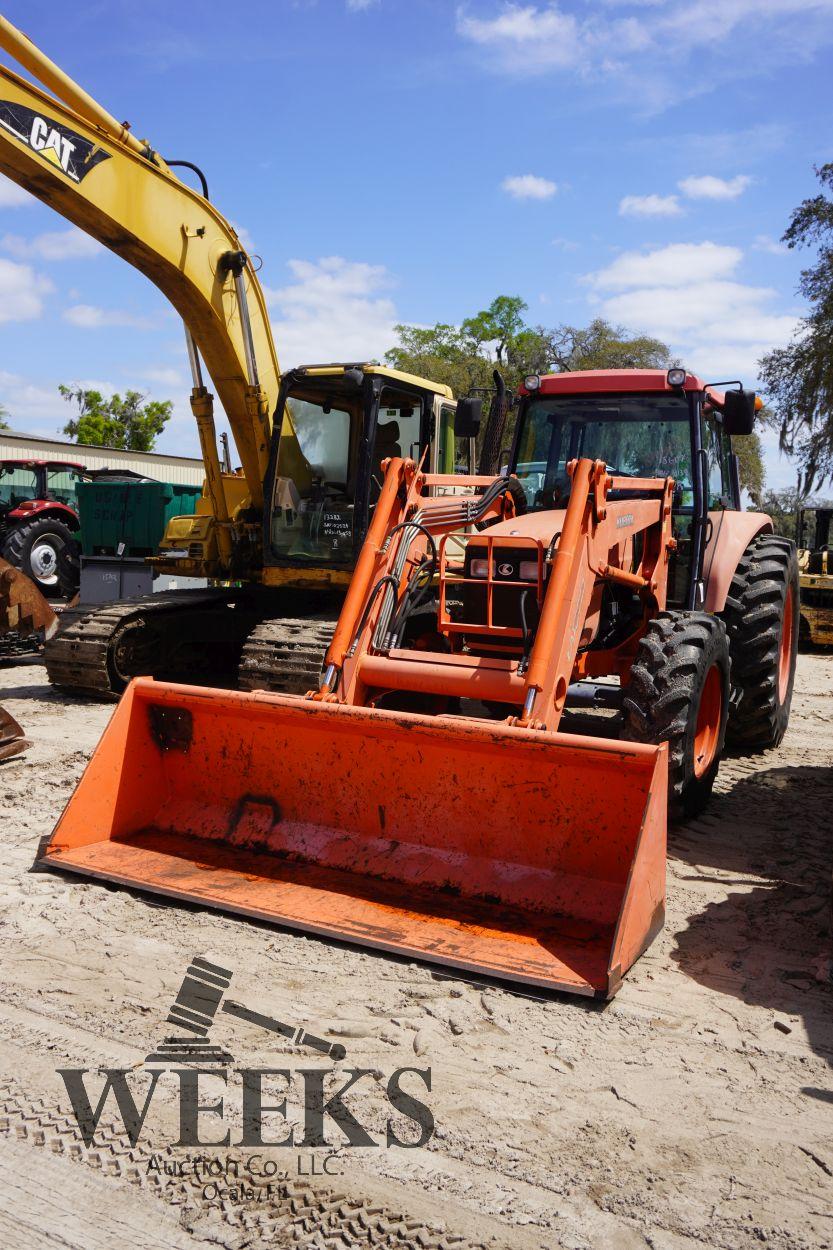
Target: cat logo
x,y
48,140
71,153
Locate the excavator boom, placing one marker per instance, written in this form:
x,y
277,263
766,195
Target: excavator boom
x,y
71,154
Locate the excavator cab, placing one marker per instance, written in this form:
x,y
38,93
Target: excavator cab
x,y
336,426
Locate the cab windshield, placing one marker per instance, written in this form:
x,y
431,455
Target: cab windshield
x,y
322,468
635,435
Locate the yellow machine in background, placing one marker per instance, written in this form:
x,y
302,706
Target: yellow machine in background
x,y
816,581
73,155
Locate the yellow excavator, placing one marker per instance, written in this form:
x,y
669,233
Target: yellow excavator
x,y
816,579
278,539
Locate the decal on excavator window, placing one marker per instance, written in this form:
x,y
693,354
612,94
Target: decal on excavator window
x,y
68,151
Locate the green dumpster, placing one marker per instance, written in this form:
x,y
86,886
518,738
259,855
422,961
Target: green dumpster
x,y
128,518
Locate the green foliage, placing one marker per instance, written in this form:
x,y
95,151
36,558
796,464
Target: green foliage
x,y
749,452
782,506
4,423
799,378
129,424
464,356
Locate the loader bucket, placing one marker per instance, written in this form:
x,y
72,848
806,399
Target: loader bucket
x,y
528,856
12,738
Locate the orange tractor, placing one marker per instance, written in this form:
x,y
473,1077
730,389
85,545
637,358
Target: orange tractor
x,y
428,798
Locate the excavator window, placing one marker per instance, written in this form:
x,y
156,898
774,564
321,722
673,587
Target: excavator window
x,y
325,469
312,512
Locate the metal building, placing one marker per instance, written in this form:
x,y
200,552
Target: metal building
x,y
184,470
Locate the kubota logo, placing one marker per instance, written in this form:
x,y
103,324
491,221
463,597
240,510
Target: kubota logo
x,y
63,148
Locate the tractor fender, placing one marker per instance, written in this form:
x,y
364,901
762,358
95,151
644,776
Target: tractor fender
x,y
36,508
731,534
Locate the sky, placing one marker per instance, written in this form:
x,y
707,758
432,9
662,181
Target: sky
x,y
408,160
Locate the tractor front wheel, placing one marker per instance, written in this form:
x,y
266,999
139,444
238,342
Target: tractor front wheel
x,y
762,620
35,548
678,693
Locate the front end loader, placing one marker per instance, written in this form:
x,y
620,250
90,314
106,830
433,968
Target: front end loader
x,y
528,674
501,847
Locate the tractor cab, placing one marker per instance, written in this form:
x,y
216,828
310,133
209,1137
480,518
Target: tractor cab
x,y
642,424
336,426
22,481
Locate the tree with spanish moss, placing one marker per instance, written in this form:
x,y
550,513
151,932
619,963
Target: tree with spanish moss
x,y
798,378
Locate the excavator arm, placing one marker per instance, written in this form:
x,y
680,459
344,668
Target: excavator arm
x,y
75,157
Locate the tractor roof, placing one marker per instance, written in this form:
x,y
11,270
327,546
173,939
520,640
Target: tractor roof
x,y
30,463
595,381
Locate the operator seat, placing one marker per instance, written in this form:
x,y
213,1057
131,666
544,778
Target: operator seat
x,y
386,445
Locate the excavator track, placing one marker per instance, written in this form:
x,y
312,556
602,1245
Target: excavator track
x,y
98,648
285,655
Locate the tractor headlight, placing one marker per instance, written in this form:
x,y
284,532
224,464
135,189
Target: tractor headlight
x,y
676,377
532,382
528,571
479,568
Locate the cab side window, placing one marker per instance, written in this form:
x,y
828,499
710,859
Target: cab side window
x,y
716,445
61,485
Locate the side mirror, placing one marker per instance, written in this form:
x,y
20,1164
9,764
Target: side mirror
x,y
739,412
467,418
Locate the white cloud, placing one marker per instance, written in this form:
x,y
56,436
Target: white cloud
x,y
31,405
163,375
707,187
565,245
334,309
89,317
689,295
545,38
21,292
765,243
13,196
529,187
54,245
670,266
643,44
649,206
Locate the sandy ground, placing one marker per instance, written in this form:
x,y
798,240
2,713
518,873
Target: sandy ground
x,y
696,1109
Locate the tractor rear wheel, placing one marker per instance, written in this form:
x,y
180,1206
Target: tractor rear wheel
x,y
762,620
35,547
678,693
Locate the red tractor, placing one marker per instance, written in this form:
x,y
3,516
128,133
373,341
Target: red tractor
x,y
39,518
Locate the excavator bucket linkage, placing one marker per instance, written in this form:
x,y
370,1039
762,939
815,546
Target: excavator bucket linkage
x,y
503,848
23,609
12,738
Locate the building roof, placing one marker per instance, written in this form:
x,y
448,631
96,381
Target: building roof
x,y
24,436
